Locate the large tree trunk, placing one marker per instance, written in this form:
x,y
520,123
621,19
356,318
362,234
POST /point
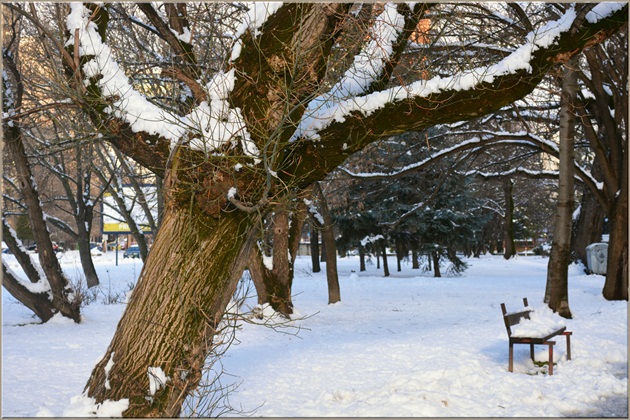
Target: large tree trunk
x,y
510,249
616,286
557,290
174,311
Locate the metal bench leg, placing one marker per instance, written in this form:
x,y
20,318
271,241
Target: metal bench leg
x,y
550,344
511,358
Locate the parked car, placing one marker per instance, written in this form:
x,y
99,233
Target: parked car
x,y
95,249
132,252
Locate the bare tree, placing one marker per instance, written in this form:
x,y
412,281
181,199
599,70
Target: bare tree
x,y
62,296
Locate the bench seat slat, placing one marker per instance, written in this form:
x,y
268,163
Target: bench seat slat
x,y
537,340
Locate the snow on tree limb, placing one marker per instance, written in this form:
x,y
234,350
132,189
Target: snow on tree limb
x,y
126,103
355,123
519,60
368,65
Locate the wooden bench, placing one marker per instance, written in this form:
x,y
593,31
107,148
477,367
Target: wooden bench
x,y
515,318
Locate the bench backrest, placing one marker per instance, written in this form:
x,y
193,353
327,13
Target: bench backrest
x,y
514,318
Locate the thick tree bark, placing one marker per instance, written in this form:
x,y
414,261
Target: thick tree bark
x,y
510,249
257,272
175,310
557,292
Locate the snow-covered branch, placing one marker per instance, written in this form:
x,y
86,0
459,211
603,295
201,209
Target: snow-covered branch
x,y
442,100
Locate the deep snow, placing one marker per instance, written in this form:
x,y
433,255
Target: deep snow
x,y
407,345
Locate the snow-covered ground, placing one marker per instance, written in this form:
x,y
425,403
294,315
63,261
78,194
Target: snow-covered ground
x,y
407,345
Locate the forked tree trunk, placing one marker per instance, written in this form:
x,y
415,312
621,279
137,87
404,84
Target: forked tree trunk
x,y
557,290
174,311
